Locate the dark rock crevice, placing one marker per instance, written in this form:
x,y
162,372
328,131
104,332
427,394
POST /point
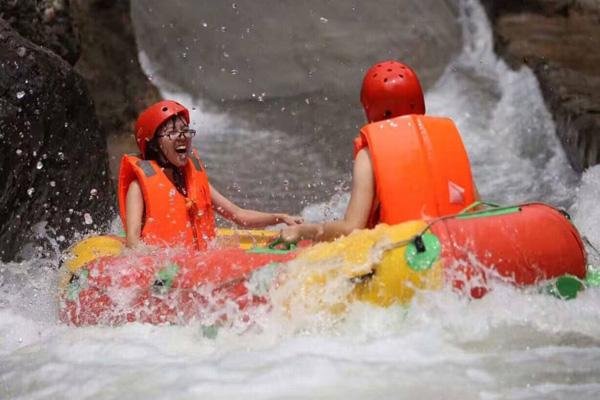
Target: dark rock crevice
x,y
109,63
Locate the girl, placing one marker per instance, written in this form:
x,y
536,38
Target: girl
x,y
164,195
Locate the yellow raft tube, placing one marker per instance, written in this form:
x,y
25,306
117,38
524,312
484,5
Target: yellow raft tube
x,y
374,261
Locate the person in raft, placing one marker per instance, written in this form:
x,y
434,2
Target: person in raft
x,y
406,165
164,195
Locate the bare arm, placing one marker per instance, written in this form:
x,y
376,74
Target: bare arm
x,y
357,213
134,214
248,218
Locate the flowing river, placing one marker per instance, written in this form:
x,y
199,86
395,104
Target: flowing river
x,y
512,344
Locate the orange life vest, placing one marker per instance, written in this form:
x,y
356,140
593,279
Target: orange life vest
x,y
170,218
421,168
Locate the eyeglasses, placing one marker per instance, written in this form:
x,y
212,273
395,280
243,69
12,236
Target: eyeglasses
x,y
186,133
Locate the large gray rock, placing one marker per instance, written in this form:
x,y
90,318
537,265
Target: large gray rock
x,y
559,40
244,49
53,167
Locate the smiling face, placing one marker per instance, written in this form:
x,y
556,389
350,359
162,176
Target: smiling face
x,y
174,146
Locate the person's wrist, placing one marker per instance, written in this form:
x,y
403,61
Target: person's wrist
x,y
319,231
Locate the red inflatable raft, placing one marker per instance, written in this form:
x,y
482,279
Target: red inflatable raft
x,y
523,245
166,286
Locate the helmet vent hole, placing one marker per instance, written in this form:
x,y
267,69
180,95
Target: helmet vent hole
x,y
165,109
387,114
401,76
385,79
375,76
389,70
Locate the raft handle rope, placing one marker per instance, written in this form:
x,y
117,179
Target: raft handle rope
x,y
424,255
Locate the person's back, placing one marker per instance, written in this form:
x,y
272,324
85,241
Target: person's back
x,y
407,165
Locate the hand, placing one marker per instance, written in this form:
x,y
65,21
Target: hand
x,y
291,234
290,219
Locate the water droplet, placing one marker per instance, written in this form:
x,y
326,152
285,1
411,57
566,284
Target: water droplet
x,y
307,100
234,72
234,6
21,51
52,183
94,192
39,165
87,219
20,94
66,124
30,191
323,20
61,155
19,152
223,29
204,24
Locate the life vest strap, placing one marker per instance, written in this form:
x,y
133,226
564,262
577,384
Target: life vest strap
x,y
146,167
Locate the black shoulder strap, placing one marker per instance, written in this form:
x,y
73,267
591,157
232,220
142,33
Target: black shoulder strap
x,y
196,163
146,166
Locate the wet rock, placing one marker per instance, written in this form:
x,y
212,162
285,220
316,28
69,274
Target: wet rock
x,y
46,23
53,169
559,40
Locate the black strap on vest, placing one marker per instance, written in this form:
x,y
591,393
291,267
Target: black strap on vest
x,y
146,167
196,163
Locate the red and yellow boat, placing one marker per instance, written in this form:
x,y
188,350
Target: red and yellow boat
x,y
524,245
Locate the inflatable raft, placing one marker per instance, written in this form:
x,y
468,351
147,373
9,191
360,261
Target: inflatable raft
x,y
104,283
524,245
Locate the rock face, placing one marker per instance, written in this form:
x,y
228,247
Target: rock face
x,y
559,40
109,64
54,171
47,23
53,167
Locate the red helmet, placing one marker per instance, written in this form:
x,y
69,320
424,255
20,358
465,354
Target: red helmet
x,y
153,117
391,89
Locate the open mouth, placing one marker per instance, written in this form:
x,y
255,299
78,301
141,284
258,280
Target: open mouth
x,y
181,149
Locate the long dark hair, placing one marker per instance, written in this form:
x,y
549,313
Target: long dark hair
x,y
153,152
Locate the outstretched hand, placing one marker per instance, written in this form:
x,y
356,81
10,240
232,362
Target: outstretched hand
x,y
291,234
290,219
